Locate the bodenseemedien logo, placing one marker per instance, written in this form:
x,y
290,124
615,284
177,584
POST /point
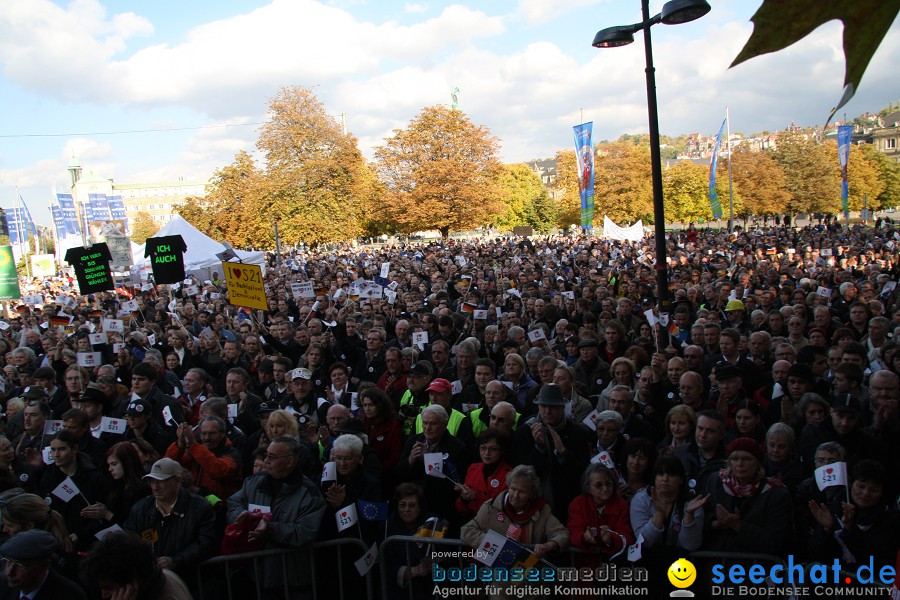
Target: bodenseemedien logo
x,y
682,575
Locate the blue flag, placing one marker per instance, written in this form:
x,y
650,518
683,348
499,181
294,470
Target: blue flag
x,y
714,203
372,511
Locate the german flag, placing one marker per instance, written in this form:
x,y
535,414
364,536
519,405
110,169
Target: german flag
x,y
321,291
433,527
22,309
61,320
96,313
469,307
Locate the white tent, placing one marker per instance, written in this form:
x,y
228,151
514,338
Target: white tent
x,y
201,249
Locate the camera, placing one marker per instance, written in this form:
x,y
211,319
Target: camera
x,y
302,419
409,411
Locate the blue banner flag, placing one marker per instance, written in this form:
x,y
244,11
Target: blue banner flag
x,y
714,203
70,217
28,220
584,158
845,132
16,222
99,209
117,210
372,511
59,222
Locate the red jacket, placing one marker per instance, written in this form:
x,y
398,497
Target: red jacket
x,y
615,515
386,438
215,473
484,490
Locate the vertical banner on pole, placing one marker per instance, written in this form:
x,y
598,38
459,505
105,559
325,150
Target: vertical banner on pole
x,y
844,134
584,158
714,203
9,278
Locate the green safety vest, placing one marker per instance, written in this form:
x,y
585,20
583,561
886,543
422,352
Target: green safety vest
x,y
456,419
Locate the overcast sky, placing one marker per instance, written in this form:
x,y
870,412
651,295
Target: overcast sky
x,y
524,68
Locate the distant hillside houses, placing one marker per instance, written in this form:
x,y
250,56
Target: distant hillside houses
x,y
881,131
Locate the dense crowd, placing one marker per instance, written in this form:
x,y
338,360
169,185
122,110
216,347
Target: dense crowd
x,y
530,387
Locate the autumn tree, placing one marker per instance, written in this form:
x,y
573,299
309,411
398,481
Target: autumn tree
x,y
863,182
809,174
622,183
686,192
759,180
441,172
526,200
888,174
315,171
231,208
568,199
143,227
312,182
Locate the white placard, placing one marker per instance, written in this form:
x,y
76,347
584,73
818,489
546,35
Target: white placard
x,y
97,339
419,339
367,560
130,305
434,464
536,335
105,532
66,490
111,425
52,426
385,270
329,472
117,325
480,315
346,517
90,359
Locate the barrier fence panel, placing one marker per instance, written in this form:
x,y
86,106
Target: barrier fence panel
x,y
245,572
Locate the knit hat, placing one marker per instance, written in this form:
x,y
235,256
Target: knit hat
x,y
747,445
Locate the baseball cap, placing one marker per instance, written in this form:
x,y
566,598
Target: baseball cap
x,y
439,385
301,373
163,469
138,407
422,367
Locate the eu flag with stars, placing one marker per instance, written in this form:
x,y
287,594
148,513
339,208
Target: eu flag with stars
x,y
372,511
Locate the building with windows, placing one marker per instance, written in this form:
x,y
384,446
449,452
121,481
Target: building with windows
x,y
887,139
158,199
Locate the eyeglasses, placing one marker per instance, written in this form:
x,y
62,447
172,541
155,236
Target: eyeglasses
x,y
8,564
273,457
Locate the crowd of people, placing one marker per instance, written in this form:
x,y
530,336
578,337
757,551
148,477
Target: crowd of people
x,y
529,387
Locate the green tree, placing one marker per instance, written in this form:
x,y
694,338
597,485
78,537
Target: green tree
x,y
809,174
888,174
441,172
622,184
686,193
143,227
760,182
526,200
568,198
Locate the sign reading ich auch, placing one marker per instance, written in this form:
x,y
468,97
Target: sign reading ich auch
x,y
245,285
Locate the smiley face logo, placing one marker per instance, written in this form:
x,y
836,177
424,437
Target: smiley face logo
x,y
682,573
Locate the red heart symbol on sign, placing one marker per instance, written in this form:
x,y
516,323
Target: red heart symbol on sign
x,y
829,470
430,467
344,514
236,271
487,545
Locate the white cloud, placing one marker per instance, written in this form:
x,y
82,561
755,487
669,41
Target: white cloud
x,y
414,8
539,11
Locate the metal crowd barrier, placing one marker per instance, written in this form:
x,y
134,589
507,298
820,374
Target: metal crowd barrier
x,y
231,570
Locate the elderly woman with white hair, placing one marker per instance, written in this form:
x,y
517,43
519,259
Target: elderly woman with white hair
x,y
521,514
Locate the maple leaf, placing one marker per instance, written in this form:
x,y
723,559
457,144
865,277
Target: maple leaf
x,y
780,23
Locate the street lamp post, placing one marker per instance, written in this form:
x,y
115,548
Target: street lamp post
x,y
673,12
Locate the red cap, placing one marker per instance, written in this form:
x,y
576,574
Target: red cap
x,y
440,385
